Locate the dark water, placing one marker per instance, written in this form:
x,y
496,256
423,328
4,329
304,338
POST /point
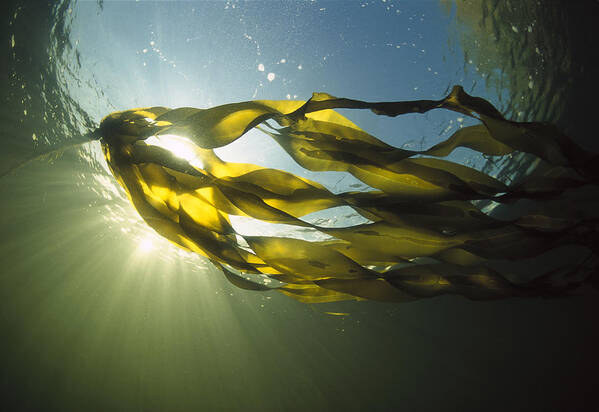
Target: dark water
x,y
97,314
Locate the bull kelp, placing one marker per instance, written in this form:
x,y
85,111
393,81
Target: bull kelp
x,y
426,232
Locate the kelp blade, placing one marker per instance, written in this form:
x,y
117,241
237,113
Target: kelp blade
x,y
423,207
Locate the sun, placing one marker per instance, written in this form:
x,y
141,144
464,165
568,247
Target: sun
x,y
146,245
179,146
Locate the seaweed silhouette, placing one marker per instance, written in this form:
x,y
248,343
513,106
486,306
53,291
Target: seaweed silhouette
x,y
426,235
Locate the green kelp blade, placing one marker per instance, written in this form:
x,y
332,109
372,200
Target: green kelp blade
x,y
427,234
241,282
221,125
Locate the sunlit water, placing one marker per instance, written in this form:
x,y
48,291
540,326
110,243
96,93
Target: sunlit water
x,y
99,313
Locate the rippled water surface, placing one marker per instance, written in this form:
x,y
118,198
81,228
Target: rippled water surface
x,y
99,313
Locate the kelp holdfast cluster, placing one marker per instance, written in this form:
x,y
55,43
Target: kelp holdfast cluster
x,y
426,235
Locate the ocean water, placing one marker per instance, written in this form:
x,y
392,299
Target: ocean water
x,y
99,313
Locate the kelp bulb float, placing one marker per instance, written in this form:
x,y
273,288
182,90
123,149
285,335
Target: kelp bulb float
x,y
425,234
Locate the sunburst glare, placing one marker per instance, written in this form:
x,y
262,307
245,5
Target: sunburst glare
x,y
146,245
177,145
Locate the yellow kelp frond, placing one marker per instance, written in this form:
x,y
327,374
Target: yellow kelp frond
x,y
425,234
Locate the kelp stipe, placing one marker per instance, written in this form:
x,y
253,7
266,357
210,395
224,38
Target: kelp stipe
x,y
426,236
51,152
